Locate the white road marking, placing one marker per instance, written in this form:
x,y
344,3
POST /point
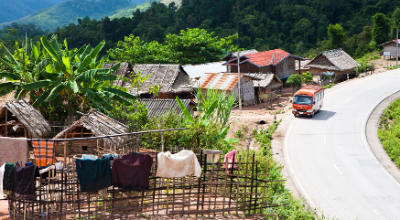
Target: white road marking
x,y
340,173
377,214
285,140
325,139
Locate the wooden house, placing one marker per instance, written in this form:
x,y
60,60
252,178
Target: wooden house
x,y
92,124
337,61
20,119
160,107
228,83
389,49
172,79
278,62
124,70
268,84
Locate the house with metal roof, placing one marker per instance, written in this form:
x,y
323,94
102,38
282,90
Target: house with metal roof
x,y
337,61
233,55
278,62
389,49
228,83
267,84
196,71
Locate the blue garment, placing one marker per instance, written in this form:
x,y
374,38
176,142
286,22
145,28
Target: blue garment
x,y
114,156
28,164
93,175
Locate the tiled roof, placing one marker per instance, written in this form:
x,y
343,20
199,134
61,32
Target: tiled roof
x,y
266,58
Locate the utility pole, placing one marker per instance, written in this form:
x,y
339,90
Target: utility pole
x,y
240,96
397,48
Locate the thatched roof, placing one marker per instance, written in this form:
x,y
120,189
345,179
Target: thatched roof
x,y
32,120
100,125
172,78
159,107
124,71
336,60
268,80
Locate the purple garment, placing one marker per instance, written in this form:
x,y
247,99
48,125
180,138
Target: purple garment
x,y
132,171
24,182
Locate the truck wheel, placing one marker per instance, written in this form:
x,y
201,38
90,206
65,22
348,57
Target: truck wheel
x,y
312,115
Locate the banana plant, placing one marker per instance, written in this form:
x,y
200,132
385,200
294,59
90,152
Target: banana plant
x,y
22,67
76,77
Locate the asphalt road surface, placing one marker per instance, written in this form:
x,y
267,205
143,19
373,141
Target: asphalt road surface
x,y
330,160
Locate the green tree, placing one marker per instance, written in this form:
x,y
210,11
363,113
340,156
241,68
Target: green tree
x,y
295,81
307,77
336,36
380,29
395,22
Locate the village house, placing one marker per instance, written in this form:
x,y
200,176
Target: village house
x,y
196,71
92,124
172,79
268,84
228,83
278,62
301,66
337,61
389,49
20,119
160,107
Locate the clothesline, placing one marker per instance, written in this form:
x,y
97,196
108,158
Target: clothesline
x,y
107,136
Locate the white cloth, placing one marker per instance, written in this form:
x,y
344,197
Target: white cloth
x,y
181,164
89,157
2,170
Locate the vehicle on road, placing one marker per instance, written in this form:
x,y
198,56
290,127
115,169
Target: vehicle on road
x,y
308,100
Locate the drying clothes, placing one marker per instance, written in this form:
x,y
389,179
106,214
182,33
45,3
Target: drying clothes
x,y
132,171
230,158
28,164
2,170
89,157
113,156
181,164
8,177
45,171
93,175
24,182
44,152
13,149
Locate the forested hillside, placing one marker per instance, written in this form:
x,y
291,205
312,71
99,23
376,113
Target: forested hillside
x,y
298,26
13,10
69,11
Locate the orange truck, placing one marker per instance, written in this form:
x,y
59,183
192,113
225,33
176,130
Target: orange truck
x,y
308,100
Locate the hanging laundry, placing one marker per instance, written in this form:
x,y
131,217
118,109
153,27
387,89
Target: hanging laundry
x,y
13,149
181,164
2,170
28,164
44,152
45,171
132,171
93,175
8,178
24,182
113,156
89,157
230,158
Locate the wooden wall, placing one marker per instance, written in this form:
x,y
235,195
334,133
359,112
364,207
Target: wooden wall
x,y
391,47
248,91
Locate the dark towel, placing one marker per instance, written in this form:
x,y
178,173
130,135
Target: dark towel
x,y
24,182
8,176
93,174
132,171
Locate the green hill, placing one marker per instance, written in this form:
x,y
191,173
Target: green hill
x,y
13,10
70,11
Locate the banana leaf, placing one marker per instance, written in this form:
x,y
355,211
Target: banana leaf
x,y
185,110
55,92
11,76
119,92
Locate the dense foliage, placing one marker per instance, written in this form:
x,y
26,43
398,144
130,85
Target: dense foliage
x,y
191,46
389,131
301,27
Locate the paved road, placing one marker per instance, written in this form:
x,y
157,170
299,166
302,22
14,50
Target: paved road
x,y
330,160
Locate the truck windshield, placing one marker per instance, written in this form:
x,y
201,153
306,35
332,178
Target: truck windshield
x,y
302,100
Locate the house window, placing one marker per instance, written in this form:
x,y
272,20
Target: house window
x,y
84,148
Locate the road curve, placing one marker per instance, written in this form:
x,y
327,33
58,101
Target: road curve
x,y
330,161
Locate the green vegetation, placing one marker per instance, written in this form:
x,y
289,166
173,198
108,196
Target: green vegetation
x,y
13,10
389,131
190,46
328,86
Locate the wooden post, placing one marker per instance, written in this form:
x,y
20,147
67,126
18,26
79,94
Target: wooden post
x,y
5,122
65,149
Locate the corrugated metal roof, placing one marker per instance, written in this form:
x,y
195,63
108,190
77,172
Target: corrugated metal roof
x,y
266,58
159,107
268,80
221,81
392,41
199,70
241,53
